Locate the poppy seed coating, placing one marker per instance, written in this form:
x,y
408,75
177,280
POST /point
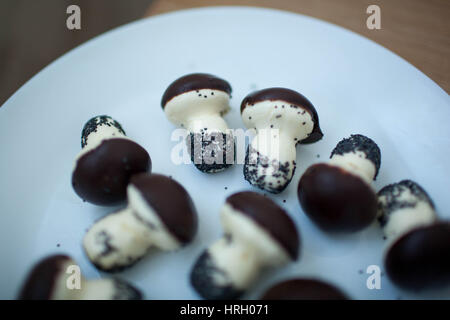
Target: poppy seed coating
x,y
358,142
94,123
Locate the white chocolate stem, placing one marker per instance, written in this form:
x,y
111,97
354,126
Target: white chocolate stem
x,y
280,126
98,289
412,212
355,163
244,251
123,237
238,264
210,122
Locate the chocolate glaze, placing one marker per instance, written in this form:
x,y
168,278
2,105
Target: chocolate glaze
x,y
335,199
194,81
202,279
392,194
290,97
420,259
303,289
171,202
101,175
270,217
42,278
358,142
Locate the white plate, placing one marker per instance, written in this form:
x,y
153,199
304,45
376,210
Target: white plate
x,y
356,86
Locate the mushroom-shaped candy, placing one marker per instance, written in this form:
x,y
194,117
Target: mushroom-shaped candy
x,y
282,118
403,206
418,252
257,233
106,162
338,195
197,102
160,214
49,279
303,289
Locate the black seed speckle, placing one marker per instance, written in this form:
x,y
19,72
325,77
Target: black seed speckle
x,y
358,142
95,122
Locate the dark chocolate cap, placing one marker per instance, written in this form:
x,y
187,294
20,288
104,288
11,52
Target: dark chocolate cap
x,y
171,203
335,199
40,282
358,142
102,174
303,289
194,81
290,97
420,259
271,217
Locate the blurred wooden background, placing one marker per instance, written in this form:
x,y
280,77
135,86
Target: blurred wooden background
x,y
34,33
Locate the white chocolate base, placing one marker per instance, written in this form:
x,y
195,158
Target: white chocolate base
x,y
357,164
403,220
99,289
131,232
250,249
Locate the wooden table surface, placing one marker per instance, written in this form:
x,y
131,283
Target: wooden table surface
x,y
417,30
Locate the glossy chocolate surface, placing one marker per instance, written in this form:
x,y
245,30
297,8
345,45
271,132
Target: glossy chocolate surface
x,y
335,199
42,279
101,175
420,259
303,289
171,202
270,217
194,81
290,97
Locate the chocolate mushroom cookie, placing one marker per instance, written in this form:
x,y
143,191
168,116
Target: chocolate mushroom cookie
x,y
198,102
106,163
282,119
257,234
160,214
